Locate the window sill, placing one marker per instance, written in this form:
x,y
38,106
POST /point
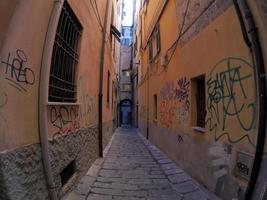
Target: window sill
x,y
62,104
199,129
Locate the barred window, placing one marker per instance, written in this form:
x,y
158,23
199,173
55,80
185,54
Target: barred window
x,y
62,83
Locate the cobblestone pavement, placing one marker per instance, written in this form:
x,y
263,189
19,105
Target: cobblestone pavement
x,y
134,169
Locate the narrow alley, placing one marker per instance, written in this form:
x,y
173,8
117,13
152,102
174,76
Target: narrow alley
x,y
135,169
133,100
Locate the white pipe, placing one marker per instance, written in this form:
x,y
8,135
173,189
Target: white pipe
x,y
43,94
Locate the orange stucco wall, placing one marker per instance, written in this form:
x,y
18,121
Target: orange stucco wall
x,y
23,32
214,48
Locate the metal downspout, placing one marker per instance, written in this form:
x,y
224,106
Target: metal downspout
x,y
43,95
250,35
100,93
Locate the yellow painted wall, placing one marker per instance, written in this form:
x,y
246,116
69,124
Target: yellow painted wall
x,y
25,25
216,50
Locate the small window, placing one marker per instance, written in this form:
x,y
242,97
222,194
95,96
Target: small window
x,y
62,83
154,44
108,87
157,35
200,101
155,107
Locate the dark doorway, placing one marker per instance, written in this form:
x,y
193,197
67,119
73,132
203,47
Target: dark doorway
x,y
126,112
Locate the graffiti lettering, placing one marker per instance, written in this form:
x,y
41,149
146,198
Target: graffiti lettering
x,y
166,114
228,99
175,104
64,118
182,92
17,74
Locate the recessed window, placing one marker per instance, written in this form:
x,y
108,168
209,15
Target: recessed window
x,y
154,44
155,107
199,84
62,83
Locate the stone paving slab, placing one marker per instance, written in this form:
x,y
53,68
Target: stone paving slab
x,y
135,169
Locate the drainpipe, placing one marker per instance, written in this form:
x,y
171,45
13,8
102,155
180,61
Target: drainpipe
x,y
43,95
250,34
100,90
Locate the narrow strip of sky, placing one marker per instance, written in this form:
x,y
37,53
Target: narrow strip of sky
x,y
128,13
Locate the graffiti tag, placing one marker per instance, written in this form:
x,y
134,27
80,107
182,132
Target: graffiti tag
x,y
175,102
17,73
228,99
64,118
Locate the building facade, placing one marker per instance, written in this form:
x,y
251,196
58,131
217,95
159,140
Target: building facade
x,y
58,73
126,63
199,90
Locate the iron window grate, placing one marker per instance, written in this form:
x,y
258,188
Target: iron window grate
x,y
62,84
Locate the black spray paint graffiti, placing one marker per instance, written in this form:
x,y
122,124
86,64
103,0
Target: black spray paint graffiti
x,y
180,139
17,74
64,118
228,99
182,92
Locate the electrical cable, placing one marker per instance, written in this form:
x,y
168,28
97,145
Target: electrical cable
x,y
181,33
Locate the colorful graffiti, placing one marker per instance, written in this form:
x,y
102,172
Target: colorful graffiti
x,y
166,113
229,99
174,102
182,92
17,73
64,118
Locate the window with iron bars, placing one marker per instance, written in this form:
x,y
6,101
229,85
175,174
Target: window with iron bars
x,y
62,83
